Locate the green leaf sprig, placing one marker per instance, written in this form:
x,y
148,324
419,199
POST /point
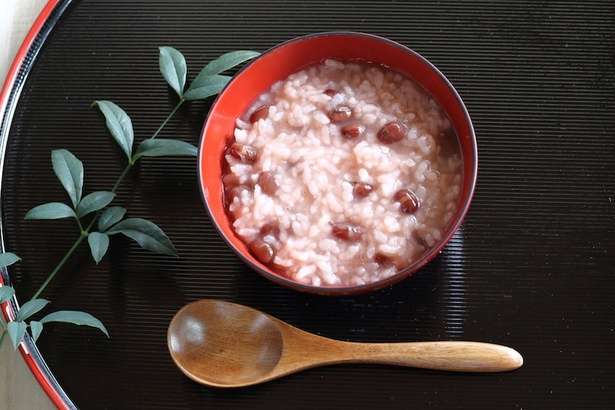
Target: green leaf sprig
x,y
96,219
208,81
16,329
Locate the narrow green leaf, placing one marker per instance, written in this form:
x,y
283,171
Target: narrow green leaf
x,y
30,307
16,332
6,293
76,318
36,328
207,87
99,243
163,147
69,171
173,68
110,217
51,210
225,62
119,125
7,259
94,201
145,233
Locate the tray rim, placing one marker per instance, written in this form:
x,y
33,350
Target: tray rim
x,y
15,79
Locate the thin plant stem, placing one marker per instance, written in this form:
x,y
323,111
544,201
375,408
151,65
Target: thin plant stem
x,y
121,177
84,233
164,123
79,224
132,162
55,270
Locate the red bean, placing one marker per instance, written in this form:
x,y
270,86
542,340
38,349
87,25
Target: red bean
x,y
408,201
262,251
230,183
352,131
266,180
382,259
385,260
392,132
361,189
259,114
340,114
399,194
284,270
346,231
234,192
330,92
270,228
244,153
230,180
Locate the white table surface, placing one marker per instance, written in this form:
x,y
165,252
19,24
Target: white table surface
x,y
18,388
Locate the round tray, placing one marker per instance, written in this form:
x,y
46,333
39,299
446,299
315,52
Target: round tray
x,y
531,267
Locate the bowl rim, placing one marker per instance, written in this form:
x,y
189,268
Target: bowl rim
x,y
373,286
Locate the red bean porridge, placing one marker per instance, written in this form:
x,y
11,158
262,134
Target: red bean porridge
x,y
342,174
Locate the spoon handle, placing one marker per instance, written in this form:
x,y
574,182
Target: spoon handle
x,y
451,356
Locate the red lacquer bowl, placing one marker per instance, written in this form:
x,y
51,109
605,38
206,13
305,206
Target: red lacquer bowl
x,y
290,57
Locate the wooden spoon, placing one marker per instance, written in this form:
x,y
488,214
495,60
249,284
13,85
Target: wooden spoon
x,y
223,344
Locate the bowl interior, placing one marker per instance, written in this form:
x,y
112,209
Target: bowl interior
x,y
290,57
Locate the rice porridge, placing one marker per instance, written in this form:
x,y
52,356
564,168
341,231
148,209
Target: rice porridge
x,y
342,174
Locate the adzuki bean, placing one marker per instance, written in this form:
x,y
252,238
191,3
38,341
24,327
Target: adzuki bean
x,y
392,132
346,231
340,114
262,251
408,201
352,131
361,189
259,114
244,153
266,180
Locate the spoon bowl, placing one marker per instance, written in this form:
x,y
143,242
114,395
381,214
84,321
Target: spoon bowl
x,y
224,344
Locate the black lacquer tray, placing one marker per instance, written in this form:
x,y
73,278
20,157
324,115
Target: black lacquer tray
x,y
532,267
